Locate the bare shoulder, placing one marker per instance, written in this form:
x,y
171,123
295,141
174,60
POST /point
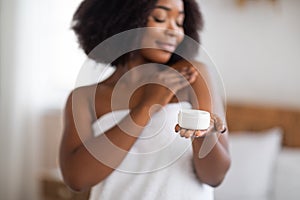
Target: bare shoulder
x,y
77,119
87,93
81,94
79,112
80,102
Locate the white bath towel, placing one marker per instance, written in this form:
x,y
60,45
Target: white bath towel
x,y
158,166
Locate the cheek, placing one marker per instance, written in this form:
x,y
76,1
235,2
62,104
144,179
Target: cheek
x,y
150,36
180,37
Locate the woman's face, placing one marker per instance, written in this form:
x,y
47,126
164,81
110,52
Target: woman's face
x,y
167,33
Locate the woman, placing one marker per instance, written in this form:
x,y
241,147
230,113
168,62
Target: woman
x,y
108,125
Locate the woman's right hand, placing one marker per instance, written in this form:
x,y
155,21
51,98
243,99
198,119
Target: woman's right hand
x,y
163,86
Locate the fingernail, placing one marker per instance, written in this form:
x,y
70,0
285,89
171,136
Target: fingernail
x,y
224,130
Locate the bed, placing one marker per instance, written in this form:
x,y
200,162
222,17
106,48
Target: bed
x,y
265,151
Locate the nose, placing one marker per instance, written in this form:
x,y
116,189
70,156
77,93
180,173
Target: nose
x,y
172,29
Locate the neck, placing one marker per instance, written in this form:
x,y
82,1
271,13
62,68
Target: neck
x,y
134,70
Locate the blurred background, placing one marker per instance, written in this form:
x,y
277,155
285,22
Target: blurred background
x,y
255,45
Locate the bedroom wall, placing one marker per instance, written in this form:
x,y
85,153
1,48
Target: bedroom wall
x,y
256,49
257,42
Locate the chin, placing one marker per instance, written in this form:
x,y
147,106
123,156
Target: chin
x,y
157,55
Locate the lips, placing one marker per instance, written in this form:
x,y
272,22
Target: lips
x,y
170,47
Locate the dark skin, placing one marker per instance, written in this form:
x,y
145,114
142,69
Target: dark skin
x,y
81,170
75,157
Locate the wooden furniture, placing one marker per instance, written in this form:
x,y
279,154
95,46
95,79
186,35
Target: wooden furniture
x,y
243,2
56,190
255,118
53,188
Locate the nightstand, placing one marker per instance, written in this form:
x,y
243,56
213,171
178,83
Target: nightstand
x,y
53,188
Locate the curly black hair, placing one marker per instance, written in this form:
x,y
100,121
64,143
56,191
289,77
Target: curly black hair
x,y
97,20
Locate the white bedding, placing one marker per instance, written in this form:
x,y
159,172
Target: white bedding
x,y
287,175
261,169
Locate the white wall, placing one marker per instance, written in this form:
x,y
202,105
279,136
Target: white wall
x,y
256,48
9,157
35,43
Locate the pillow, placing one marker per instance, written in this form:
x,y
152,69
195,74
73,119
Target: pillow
x,y
253,158
287,173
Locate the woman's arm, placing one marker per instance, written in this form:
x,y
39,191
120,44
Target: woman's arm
x,y
210,153
79,167
212,163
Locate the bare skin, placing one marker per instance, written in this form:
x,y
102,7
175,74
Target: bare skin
x,y
211,168
74,156
80,169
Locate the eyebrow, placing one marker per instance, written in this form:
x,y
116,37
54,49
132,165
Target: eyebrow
x,y
167,8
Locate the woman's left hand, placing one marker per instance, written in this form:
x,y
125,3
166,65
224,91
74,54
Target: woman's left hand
x,y
216,125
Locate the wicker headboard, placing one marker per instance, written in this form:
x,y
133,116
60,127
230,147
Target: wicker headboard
x,y
255,118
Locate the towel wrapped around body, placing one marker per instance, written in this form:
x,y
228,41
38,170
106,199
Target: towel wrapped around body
x,y
159,164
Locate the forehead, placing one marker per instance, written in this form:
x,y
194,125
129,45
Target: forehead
x,y
173,4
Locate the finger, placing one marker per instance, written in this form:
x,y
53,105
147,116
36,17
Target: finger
x,y
173,78
219,125
224,130
179,85
184,69
192,70
199,133
166,79
175,81
189,133
192,78
183,74
177,128
171,71
178,82
182,132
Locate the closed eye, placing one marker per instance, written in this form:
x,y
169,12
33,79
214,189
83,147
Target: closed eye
x,y
159,20
179,24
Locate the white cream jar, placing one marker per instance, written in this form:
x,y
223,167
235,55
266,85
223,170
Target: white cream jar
x,y
194,119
